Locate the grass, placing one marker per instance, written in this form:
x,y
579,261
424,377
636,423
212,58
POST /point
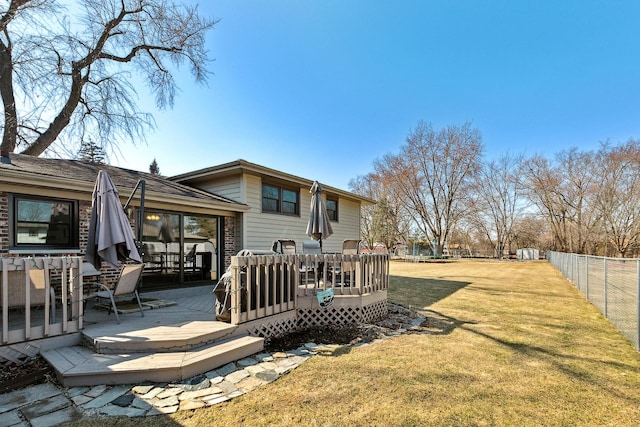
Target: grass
x,y
507,343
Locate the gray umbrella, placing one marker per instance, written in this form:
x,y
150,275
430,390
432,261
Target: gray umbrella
x,y
110,235
318,227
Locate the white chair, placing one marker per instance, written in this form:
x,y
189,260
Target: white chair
x,y
127,285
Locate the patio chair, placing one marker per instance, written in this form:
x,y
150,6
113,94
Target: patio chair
x,y
37,291
284,247
308,269
190,264
127,285
190,256
311,247
153,261
349,247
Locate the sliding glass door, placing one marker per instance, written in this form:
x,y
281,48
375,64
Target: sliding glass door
x,y
179,249
201,248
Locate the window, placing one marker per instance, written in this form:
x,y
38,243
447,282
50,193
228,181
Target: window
x,y
43,223
332,209
279,200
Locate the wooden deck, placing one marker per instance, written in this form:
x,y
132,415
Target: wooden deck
x,y
187,324
191,304
182,338
168,344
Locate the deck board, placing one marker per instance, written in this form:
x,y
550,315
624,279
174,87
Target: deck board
x,y
125,368
167,344
57,359
169,327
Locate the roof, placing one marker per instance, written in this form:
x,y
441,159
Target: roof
x,y
244,167
80,176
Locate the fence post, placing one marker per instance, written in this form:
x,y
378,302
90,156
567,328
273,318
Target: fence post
x,y
605,288
586,283
638,310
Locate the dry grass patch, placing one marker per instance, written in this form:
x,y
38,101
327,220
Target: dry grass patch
x,y
507,343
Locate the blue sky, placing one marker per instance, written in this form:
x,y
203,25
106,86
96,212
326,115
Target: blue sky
x,y
321,89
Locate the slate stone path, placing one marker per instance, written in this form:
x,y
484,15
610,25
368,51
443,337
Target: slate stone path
x,y
49,405
46,405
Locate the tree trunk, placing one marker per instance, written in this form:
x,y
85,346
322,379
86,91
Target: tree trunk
x,y
8,144
62,120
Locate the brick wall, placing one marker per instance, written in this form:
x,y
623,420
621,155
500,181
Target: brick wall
x,y
4,223
229,241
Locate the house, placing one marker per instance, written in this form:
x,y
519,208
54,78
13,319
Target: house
x,y
278,204
192,224
190,228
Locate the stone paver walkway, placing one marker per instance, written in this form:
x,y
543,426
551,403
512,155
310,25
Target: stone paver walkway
x,y
46,405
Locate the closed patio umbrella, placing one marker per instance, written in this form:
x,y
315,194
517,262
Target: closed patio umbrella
x,y
318,227
110,235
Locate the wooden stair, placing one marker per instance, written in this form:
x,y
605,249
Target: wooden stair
x,y
156,338
156,354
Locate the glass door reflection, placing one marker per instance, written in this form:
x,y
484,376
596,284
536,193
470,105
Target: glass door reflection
x,y
170,263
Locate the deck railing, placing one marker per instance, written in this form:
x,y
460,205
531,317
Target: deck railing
x,y
30,291
40,297
265,285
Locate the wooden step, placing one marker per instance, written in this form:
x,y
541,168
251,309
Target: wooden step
x,y
80,366
164,338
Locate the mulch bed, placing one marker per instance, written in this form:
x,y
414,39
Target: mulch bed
x,y
330,334
34,370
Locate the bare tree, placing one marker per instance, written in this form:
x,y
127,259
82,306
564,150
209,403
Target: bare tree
x,y
431,174
498,200
566,192
68,77
367,187
582,176
619,198
542,183
529,231
383,221
461,240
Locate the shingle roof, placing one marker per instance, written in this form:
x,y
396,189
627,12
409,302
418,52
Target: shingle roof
x,y
86,172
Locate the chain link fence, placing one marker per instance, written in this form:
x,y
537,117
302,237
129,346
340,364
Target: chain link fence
x,y
611,284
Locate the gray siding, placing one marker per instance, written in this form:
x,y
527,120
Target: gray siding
x,y
262,229
257,230
227,187
347,227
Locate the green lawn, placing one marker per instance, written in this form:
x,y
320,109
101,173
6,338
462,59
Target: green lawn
x,y
507,343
